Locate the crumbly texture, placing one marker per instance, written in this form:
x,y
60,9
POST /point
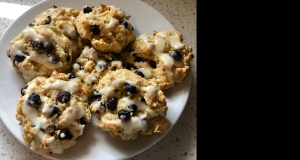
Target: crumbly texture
x,y
92,65
122,119
33,62
53,125
150,54
64,18
112,32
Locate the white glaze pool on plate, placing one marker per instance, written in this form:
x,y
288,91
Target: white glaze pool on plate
x,y
94,143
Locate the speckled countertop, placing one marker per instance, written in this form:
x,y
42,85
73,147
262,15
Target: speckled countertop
x,y
181,141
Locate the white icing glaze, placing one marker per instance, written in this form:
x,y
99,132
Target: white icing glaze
x,y
76,67
29,33
175,41
100,63
107,91
146,72
90,53
69,30
117,64
151,91
135,124
158,48
89,79
17,49
90,16
53,12
43,59
113,22
70,86
96,106
56,148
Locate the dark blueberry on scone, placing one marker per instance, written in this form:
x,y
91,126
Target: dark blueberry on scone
x,y
87,9
124,115
130,89
95,97
132,108
95,30
65,134
54,110
30,25
176,54
54,6
139,73
37,45
125,24
53,58
48,47
152,64
22,89
18,59
34,100
82,121
63,96
72,76
111,103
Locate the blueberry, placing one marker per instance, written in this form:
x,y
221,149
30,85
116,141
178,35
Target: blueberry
x,y
18,59
152,64
54,6
138,59
95,30
143,100
25,87
95,97
129,88
53,58
37,45
72,76
54,110
176,54
65,134
125,24
82,121
132,107
34,100
68,58
87,9
130,66
48,21
48,47
111,103
124,115
139,73
30,25
63,96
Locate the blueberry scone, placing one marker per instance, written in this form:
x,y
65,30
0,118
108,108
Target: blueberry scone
x,y
107,27
92,65
162,57
39,50
53,112
127,105
64,18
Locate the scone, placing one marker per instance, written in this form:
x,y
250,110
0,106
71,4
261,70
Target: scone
x,y
163,57
64,18
53,112
106,27
92,65
127,105
39,50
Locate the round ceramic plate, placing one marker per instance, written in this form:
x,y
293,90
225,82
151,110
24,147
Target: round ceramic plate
x,y
94,143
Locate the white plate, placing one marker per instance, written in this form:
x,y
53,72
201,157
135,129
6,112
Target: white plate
x,y
94,143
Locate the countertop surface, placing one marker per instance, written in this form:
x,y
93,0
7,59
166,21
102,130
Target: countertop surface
x,y
181,141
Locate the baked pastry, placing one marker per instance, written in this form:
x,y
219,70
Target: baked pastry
x,y
64,18
107,27
127,105
53,112
92,65
163,57
39,50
